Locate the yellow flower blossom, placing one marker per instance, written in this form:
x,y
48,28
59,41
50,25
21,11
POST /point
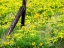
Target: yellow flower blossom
x,y
47,42
15,35
40,44
32,25
60,24
6,43
33,43
29,5
28,29
32,34
27,22
61,34
36,16
11,42
8,37
54,40
23,27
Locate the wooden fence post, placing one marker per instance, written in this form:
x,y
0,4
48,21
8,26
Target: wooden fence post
x,y
24,13
21,12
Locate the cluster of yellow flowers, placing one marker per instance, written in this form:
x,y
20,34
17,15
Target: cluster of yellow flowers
x,y
36,16
8,42
34,43
8,37
44,22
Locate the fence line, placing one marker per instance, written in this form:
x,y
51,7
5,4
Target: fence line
x,y
21,12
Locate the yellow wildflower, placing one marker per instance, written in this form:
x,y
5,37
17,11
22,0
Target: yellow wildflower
x,y
5,43
47,42
11,42
55,40
8,42
36,16
61,34
27,22
29,5
40,44
23,27
32,25
29,29
32,34
16,35
33,43
60,24
8,37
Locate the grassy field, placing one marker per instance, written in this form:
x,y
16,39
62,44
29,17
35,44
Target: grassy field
x,y
44,24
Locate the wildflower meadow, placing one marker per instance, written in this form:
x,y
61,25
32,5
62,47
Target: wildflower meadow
x,y
44,24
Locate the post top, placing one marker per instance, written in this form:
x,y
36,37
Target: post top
x,y
24,2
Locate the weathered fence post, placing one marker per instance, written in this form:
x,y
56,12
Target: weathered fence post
x,y
24,13
21,12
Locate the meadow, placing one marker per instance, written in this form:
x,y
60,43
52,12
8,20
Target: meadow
x,y
44,24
